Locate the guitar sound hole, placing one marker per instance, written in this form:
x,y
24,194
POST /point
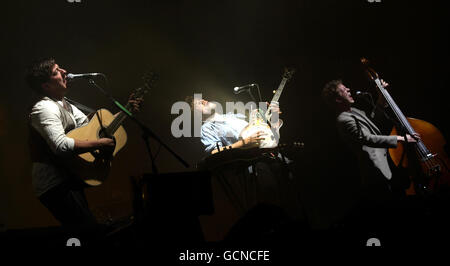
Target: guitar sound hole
x,y
103,133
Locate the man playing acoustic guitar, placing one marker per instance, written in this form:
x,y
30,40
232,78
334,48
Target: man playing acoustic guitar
x,y
51,117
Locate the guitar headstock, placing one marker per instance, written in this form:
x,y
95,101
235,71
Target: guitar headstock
x,y
149,80
288,72
137,96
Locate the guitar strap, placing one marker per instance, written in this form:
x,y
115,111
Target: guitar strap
x,y
217,146
86,110
83,108
67,106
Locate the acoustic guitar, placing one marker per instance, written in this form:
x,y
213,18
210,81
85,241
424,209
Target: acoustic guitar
x,y
93,167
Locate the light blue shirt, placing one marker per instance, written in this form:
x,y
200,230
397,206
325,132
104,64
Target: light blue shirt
x,y
222,130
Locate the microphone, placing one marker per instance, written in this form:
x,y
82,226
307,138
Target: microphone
x,y
71,76
361,93
238,90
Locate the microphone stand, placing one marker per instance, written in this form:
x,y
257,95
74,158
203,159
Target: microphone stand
x,y
147,133
254,100
251,95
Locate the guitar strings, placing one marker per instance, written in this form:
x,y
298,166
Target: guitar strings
x,y
421,149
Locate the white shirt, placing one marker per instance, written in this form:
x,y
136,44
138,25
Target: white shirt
x,y
46,119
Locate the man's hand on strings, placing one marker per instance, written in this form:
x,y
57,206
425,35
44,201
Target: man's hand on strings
x,y
381,100
254,139
107,146
273,114
411,139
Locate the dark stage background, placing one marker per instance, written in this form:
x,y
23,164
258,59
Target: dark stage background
x,y
210,47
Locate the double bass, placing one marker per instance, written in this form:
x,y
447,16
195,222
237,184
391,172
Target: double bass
x,y
425,161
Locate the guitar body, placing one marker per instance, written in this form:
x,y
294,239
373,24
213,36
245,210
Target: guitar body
x,y
90,167
257,124
418,170
93,167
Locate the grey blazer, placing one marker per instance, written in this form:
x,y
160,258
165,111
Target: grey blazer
x,y
366,141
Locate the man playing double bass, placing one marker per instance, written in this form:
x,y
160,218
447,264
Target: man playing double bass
x,y
365,140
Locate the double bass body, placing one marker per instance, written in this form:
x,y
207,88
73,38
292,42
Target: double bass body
x,y
426,173
425,160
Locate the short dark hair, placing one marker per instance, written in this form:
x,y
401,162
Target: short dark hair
x,y
38,73
329,91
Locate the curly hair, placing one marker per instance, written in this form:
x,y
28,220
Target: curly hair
x,y
329,93
38,73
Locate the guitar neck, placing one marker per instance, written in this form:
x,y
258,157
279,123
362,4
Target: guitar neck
x,y
277,94
116,123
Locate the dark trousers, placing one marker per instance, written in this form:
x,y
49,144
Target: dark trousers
x,y
69,206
